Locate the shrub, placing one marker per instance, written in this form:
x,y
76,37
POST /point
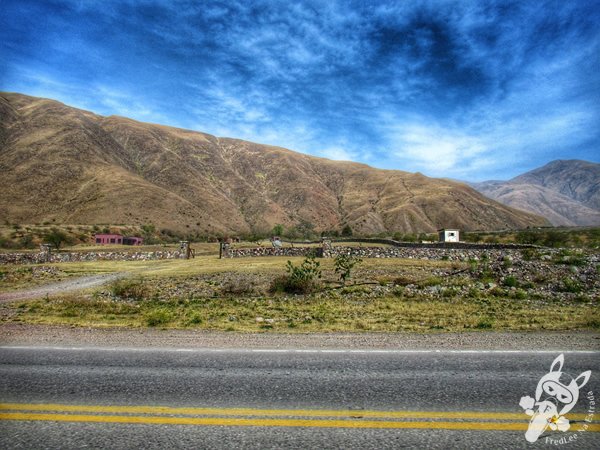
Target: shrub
x,y
195,319
239,286
132,289
27,241
347,231
403,280
528,237
555,239
485,324
569,285
344,265
593,323
520,294
7,242
398,291
450,292
430,281
530,254
158,316
302,279
570,258
510,281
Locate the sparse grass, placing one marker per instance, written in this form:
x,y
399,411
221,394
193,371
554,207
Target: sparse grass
x,y
240,303
314,313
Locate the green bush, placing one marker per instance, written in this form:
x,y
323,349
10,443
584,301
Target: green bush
x,y
530,254
344,265
520,294
570,258
158,316
555,239
398,291
194,319
510,281
302,279
485,324
569,285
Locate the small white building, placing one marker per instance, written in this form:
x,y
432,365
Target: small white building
x,y
447,235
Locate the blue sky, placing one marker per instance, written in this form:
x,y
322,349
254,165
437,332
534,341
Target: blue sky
x,y
463,89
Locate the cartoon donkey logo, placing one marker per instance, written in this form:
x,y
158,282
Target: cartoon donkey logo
x,y
556,394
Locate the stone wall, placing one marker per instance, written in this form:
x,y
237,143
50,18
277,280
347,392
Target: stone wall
x,y
446,251
272,251
426,253
39,258
438,245
451,251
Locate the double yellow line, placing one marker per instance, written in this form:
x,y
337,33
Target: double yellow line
x,y
275,417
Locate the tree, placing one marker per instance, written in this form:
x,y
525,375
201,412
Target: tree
x,y
277,230
305,228
555,238
148,231
56,238
347,231
527,237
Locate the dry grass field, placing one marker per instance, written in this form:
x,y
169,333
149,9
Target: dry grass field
x,y
237,295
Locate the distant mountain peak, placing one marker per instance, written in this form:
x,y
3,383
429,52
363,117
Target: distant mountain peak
x,y
566,192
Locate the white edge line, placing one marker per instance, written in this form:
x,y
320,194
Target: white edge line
x,y
290,350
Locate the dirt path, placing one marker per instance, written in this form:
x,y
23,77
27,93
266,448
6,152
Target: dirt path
x,y
75,284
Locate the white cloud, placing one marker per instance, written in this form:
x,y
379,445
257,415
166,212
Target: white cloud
x,y
434,149
338,154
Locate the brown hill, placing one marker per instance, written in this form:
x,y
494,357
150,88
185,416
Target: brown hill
x,y
564,192
575,179
72,166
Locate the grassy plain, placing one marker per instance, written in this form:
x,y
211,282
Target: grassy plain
x,y
234,295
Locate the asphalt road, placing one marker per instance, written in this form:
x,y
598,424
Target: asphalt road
x,y
66,397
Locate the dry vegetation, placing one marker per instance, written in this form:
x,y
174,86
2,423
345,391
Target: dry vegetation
x,y
381,295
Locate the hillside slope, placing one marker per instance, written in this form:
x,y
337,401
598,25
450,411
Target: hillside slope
x,y
66,165
565,192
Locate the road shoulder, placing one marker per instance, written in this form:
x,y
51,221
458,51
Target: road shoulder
x,y
17,334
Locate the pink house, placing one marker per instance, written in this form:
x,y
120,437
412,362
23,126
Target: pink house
x,y
105,239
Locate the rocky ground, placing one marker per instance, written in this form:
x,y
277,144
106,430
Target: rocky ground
x,y
24,334
537,275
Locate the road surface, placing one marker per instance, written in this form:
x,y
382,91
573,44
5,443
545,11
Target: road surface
x,y
94,397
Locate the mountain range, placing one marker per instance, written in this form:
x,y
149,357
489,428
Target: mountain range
x,y
65,165
566,192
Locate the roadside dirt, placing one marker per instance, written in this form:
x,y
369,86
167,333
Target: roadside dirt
x,y
50,335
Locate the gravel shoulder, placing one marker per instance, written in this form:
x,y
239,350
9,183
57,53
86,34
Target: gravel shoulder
x,y
16,334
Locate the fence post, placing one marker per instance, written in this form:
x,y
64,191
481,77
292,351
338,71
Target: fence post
x,y
46,251
184,247
327,249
